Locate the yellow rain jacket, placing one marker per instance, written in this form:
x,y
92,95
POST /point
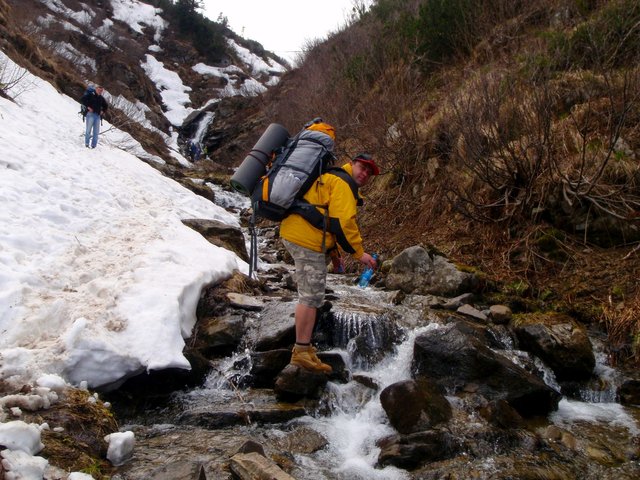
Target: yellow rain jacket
x,y
342,199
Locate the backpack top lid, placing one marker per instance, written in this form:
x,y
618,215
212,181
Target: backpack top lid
x,y
91,89
319,126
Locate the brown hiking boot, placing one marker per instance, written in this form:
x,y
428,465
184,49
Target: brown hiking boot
x,y
306,358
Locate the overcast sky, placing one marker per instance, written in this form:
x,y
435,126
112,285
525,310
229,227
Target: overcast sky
x,y
283,26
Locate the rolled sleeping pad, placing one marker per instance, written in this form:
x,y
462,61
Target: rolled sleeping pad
x,y
254,166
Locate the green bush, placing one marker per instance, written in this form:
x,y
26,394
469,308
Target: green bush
x,y
206,36
445,28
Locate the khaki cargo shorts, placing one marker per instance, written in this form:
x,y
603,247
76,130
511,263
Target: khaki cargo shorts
x,y
311,274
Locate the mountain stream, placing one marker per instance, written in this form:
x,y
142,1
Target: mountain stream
x,y
339,435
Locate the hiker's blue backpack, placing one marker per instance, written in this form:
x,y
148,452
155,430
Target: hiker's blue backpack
x,y
83,108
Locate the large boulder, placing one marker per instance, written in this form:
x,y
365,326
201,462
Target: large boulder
x,y
414,406
415,270
559,341
454,356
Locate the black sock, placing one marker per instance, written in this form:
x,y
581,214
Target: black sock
x,y
303,344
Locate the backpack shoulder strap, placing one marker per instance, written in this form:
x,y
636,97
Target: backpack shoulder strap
x,y
309,211
342,174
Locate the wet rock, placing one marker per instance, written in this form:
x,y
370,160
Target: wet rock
x,y
251,446
265,366
553,433
414,406
560,342
457,302
525,470
399,297
220,234
335,360
472,312
220,336
257,407
599,455
414,450
290,282
187,469
274,329
301,440
629,392
501,414
415,270
363,355
244,302
490,335
153,387
253,466
295,382
500,314
453,358
366,381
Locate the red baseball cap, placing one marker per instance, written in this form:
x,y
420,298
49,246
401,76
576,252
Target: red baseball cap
x,y
368,159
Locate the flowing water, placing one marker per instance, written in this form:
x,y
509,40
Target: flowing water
x,y
351,419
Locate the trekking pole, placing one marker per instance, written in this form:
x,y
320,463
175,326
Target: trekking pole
x,y
253,244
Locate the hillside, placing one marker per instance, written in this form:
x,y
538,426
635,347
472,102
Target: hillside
x,y
166,69
509,135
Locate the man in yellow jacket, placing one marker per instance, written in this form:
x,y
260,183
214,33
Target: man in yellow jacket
x,y
329,222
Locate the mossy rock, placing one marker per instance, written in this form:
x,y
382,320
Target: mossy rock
x,y
80,446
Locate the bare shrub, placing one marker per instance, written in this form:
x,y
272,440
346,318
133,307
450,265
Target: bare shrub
x,y
13,79
623,327
603,171
504,146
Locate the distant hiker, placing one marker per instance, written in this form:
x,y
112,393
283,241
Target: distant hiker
x,y
335,195
96,106
194,151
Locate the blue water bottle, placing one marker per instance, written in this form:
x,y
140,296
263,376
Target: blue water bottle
x,y
365,278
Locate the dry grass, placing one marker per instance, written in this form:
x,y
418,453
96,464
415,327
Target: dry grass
x,y
80,446
622,320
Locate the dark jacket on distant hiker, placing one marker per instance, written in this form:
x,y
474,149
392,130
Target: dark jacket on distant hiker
x,y
94,101
96,106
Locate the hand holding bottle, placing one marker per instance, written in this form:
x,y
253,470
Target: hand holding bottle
x,y
371,263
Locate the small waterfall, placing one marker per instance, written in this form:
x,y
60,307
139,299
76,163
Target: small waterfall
x,y
204,123
366,337
355,420
604,389
222,382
